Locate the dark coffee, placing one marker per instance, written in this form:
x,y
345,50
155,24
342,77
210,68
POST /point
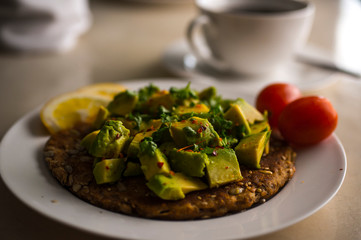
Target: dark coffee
x,y
257,10
258,6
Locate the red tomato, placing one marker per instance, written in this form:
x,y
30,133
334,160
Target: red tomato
x,y
274,99
307,120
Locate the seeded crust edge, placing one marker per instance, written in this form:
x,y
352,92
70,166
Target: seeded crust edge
x,y
70,164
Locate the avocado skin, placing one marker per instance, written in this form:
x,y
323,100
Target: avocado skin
x,y
189,163
223,168
108,170
250,149
110,141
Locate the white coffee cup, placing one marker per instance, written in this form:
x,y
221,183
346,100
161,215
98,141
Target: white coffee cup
x,y
249,37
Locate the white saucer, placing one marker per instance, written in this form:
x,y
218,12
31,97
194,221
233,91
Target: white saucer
x,y
178,59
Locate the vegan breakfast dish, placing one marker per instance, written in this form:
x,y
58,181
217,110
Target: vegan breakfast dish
x,y
172,154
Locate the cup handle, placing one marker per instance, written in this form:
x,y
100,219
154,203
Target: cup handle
x,y
196,24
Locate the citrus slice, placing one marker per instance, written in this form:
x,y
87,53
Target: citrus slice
x,y
64,111
104,89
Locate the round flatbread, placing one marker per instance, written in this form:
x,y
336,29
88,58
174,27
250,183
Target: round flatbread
x,y
72,166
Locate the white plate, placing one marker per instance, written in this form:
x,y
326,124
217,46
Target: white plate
x,y
320,173
178,59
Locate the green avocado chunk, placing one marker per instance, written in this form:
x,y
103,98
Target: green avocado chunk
x,y
108,170
123,103
167,148
165,187
110,141
251,113
174,187
189,184
194,130
133,149
242,113
158,99
237,116
189,163
250,149
88,140
223,168
197,108
132,169
152,160
208,93
260,127
102,116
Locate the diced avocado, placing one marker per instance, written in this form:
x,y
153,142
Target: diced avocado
x,y
132,169
108,170
174,187
130,125
251,113
250,149
223,168
102,116
133,149
207,93
147,91
123,103
110,141
165,187
167,147
183,96
260,127
194,130
189,184
144,125
96,160
237,116
160,98
152,160
242,113
189,163
153,124
88,140
197,108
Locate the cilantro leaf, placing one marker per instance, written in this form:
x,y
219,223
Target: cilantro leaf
x,y
146,92
181,94
138,118
147,146
160,134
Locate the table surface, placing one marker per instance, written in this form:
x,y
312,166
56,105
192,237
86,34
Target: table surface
x,y
127,41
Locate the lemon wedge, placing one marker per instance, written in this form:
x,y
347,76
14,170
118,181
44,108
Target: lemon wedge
x,y
64,111
104,89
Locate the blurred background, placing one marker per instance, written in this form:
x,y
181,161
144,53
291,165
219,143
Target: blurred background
x,y
118,40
